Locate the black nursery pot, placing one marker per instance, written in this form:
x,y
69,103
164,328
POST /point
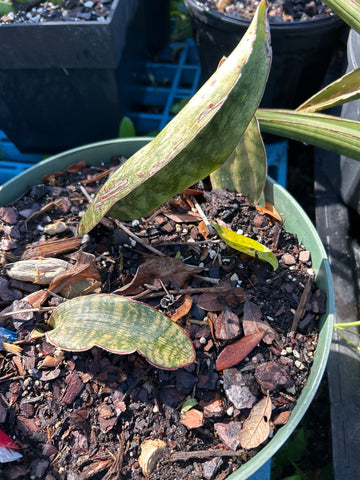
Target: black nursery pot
x,y
302,51
64,84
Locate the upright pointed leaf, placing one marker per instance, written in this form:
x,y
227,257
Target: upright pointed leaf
x,y
325,131
245,170
121,326
348,10
198,140
345,89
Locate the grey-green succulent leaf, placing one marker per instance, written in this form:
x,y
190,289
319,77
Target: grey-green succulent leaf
x,y
348,10
245,170
325,131
120,325
343,90
198,140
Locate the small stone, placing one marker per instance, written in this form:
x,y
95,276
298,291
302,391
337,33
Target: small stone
x,y
288,259
211,467
214,408
236,389
228,433
192,419
304,256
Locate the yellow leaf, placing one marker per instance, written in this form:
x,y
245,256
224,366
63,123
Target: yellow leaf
x,y
246,245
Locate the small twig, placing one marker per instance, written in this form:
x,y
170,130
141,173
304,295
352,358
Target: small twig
x,y
204,454
27,310
85,193
183,291
190,244
301,307
138,239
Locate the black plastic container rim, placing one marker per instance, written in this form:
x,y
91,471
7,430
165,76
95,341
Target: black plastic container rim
x,y
227,22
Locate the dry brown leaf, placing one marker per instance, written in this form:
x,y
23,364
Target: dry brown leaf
x,y
170,270
256,427
235,352
84,268
183,309
226,325
203,229
210,302
269,209
252,323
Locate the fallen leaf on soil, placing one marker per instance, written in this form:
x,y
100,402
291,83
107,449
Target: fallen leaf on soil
x,y
252,323
246,245
226,325
169,270
84,268
210,302
236,352
203,229
256,427
121,326
183,309
269,209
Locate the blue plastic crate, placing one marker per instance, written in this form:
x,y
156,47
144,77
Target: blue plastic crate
x,y
175,77
166,82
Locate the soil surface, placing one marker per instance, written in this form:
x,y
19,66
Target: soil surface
x,y
70,11
80,415
278,10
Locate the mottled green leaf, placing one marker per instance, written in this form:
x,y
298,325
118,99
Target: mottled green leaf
x,y
246,245
348,10
245,170
345,89
325,131
121,326
198,140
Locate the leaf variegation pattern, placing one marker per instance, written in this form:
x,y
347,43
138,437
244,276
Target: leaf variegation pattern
x,y
120,325
197,140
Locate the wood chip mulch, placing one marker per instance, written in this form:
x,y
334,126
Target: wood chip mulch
x,y
86,415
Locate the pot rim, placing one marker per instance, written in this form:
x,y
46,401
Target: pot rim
x,y
273,192
211,17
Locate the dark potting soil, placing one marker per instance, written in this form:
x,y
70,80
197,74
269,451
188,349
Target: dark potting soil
x,y
70,11
87,414
279,10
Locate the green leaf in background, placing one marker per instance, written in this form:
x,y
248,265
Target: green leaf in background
x,y
345,89
245,170
126,128
121,326
197,141
188,405
325,131
5,8
348,10
246,245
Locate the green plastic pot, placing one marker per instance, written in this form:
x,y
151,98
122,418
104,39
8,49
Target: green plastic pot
x,y
296,221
